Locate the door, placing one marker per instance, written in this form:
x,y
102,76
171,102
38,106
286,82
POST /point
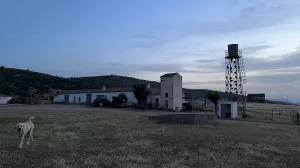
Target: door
x,y
156,103
88,98
226,110
166,104
66,99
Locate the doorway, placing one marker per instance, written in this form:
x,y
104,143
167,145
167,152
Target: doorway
x,y
88,98
66,99
166,104
226,110
156,103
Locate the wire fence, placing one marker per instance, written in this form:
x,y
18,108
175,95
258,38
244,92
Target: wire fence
x,y
289,116
203,107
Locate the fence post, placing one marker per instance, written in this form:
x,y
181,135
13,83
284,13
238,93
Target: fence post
x,y
293,117
272,114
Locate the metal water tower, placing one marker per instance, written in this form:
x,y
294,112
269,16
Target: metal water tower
x,y
235,76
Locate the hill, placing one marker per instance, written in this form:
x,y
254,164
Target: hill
x,y
25,82
282,101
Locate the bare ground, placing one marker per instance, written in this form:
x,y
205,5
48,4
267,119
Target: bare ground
x,y
78,136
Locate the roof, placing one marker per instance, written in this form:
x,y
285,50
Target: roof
x,y
2,95
169,75
155,91
257,94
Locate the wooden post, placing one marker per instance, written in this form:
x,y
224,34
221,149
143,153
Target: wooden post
x,y
272,114
294,116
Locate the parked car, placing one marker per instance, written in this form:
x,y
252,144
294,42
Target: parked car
x,y
101,101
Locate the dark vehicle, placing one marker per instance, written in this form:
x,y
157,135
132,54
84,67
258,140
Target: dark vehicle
x,y
101,101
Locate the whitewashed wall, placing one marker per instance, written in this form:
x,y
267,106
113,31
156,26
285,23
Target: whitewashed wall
x,y
166,86
177,89
5,100
61,98
152,100
74,98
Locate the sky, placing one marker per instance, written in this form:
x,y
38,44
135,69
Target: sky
x,y
147,38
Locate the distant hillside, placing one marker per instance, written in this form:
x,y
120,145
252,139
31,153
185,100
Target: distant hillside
x,y
25,82
282,101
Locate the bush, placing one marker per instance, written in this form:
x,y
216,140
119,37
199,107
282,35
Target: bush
x,y
17,100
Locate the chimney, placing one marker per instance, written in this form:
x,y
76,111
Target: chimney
x,y
103,88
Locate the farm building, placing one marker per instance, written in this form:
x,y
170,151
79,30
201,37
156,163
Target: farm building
x,y
260,97
168,96
4,99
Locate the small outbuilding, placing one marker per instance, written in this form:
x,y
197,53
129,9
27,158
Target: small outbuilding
x,y
4,99
227,109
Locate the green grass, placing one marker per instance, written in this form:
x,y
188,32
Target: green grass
x,y
95,138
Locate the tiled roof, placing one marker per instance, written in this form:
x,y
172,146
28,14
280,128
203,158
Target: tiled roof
x,y
154,91
169,75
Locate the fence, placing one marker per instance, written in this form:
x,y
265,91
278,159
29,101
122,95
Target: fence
x,y
287,116
203,107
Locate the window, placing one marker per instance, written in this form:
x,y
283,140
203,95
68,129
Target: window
x,y
166,95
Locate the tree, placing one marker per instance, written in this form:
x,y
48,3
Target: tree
x,y
140,92
1,80
214,98
123,96
119,100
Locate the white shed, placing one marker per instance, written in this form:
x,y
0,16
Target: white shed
x,y
4,99
228,109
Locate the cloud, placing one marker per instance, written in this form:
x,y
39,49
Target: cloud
x,y
277,79
249,15
255,48
195,71
152,42
288,60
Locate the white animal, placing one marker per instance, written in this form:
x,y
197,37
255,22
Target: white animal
x,y
24,128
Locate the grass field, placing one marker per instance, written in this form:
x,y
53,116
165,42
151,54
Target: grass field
x,y
78,136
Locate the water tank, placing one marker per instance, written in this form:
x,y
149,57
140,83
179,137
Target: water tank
x,y
233,50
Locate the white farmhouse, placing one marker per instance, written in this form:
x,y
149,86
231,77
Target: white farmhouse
x,y
168,95
171,91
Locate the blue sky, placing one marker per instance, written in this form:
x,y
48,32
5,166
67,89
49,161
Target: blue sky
x,y
146,38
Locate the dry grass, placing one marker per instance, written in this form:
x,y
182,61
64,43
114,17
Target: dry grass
x,y
72,136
